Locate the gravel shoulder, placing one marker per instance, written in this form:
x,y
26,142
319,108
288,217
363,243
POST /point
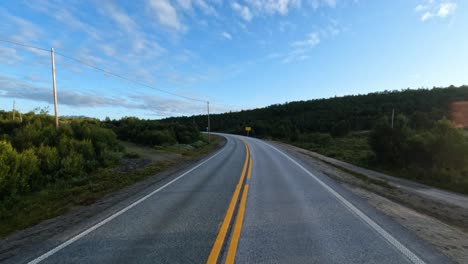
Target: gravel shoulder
x,y
437,216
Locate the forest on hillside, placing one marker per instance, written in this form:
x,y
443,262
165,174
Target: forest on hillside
x,y
421,143
335,115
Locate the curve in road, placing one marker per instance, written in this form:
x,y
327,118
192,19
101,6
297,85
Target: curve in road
x,y
251,202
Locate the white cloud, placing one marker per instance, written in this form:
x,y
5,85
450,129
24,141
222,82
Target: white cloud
x,y
432,9
188,5
252,8
165,13
446,9
113,40
311,41
420,8
25,31
9,55
243,11
137,39
274,6
319,3
64,16
185,4
284,26
120,17
30,90
301,48
69,19
108,49
426,16
226,35
207,9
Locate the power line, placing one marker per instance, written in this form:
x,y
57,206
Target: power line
x,y
106,71
128,79
24,45
118,75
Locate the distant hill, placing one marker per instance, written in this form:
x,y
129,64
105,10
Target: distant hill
x,y
352,112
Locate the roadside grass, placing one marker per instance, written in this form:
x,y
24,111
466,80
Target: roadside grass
x,y
352,148
355,149
59,198
200,148
363,177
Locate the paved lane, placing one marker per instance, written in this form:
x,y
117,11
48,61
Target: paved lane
x,y
175,225
290,217
248,203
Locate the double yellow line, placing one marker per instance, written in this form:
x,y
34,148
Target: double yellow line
x,y
220,239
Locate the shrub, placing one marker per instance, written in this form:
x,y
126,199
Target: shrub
x,y
86,149
49,161
317,139
33,153
29,173
9,178
73,165
109,158
340,129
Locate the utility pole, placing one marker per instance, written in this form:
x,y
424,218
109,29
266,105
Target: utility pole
x,y
208,128
55,89
393,116
14,110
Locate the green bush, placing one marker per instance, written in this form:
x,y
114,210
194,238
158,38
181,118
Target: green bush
x,y
33,153
30,177
85,147
109,158
10,180
73,165
435,156
317,139
49,162
340,129
153,132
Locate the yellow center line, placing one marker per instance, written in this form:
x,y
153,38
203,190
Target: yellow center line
x,y
231,255
218,244
249,172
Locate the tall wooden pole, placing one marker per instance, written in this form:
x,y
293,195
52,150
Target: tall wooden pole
x,y
55,89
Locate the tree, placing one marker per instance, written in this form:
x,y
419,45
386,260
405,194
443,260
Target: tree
x,y
389,144
340,129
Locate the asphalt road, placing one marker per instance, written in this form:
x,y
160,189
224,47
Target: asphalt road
x,y
251,202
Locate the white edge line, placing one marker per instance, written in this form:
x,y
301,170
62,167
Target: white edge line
x,y
103,222
387,236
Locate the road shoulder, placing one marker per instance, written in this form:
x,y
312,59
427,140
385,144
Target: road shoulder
x,y
419,214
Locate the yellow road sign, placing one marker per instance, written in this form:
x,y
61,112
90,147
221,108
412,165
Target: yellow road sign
x,y
248,129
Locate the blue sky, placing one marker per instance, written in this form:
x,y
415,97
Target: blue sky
x,y
237,54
